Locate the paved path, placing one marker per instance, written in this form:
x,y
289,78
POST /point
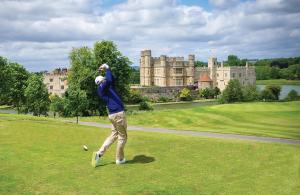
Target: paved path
x,y
200,134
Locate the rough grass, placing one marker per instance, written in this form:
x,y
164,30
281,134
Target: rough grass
x,y
46,157
274,119
278,82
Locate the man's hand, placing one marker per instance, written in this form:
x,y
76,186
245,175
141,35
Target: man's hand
x,y
103,67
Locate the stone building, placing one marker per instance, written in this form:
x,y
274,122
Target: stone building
x,y
56,81
166,71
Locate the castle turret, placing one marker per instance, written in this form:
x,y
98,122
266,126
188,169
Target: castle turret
x,y
163,70
190,70
212,66
145,68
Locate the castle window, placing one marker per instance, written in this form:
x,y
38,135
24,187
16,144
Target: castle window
x,y
240,75
178,70
233,75
62,87
51,87
217,74
51,80
178,82
225,74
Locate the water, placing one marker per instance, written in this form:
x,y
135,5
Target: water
x,y
285,89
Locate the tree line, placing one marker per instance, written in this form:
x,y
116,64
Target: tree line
x,y
27,93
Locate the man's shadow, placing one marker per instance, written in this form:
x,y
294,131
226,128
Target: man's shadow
x,y
142,159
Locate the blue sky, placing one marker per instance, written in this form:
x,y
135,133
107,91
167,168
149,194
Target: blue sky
x,y
41,33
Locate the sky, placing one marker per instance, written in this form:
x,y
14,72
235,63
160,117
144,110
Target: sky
x,y
39,34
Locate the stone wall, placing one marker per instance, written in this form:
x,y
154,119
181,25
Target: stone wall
x,y
157,92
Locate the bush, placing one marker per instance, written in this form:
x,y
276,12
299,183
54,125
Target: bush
x,y
206,93
135,97
232,93
250,93
145,105
292,95
163,99
185,95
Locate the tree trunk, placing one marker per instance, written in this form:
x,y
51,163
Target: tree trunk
x,y
77,118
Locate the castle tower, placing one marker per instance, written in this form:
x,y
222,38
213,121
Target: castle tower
x,y
212,66
163,71
146,78
190,70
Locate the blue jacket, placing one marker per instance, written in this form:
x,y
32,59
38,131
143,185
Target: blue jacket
x,y
106,91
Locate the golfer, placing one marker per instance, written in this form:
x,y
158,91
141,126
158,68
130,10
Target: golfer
x,y
106,91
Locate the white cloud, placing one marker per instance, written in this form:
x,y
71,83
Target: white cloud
x,y
40,34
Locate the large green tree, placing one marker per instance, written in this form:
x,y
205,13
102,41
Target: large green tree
x,y
37,97
84,65
56,105
4,78
76,102
17,80
232,93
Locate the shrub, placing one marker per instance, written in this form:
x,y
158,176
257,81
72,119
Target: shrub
x,y
163,99
292,95
135,97
206,93
250,93
232,93
145,105
185,95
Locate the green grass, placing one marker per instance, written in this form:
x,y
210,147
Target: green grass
x,y
275,119
278,82
46,157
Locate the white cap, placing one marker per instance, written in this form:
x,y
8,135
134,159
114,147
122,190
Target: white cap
x,y
99,79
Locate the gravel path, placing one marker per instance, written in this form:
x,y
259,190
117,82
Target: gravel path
x,y
200,134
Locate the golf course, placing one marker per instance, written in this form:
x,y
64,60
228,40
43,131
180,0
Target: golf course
x,y
45,156
273,119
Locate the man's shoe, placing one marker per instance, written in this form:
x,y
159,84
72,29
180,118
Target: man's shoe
x,y
95,159
118,162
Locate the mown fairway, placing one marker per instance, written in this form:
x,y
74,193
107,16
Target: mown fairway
x,y
46,156
275,119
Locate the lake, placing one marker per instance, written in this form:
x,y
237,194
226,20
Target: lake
x,y
285,89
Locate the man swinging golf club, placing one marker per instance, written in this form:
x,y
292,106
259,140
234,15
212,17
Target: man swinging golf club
x,y
106,91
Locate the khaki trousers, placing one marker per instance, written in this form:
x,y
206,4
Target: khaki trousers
x,y
118,131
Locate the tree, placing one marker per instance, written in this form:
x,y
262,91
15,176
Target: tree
x,y
232,93
250,93
185,95
57,104
135,97
4,79
200,64
292,95
233,60
17,78
76,101
216,92
275,90
84,65
37,97
267,95
107,52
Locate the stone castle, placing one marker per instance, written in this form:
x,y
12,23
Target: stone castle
x,y
166,71
56,81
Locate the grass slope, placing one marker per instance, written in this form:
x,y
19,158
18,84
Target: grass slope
x,y
45,156
278,82
275,119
